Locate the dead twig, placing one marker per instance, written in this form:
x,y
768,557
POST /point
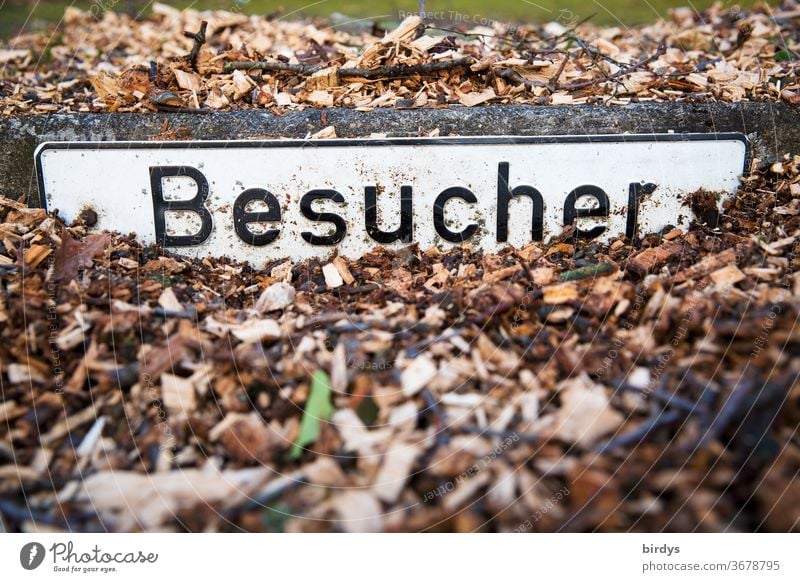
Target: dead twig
x,y
641,432
515,77
177,109
553,84
199,39
369,287
619,74
376,73
735,404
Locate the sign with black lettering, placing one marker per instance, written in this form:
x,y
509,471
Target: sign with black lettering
x,y
258,201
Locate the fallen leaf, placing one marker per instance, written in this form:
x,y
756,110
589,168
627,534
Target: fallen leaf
x,y
73,256
318,409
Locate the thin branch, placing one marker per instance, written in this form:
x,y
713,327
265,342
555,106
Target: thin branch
x,y
593,52
619,74
515,77
199,39
274,66
554,81
508,39
641,432
376,73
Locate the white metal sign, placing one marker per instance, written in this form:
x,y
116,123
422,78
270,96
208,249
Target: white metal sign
x,y
257,201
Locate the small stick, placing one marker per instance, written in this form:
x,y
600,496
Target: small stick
x,y
733,406
508,39
619,74
358,289
515,77
393,71
671,400
274,66
199,39
554,81
641,432
179,109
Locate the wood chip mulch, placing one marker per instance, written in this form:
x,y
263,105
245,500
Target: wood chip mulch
x,y
215,60
640,386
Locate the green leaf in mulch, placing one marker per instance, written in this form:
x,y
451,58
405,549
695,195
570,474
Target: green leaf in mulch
x,y
587,271
318,409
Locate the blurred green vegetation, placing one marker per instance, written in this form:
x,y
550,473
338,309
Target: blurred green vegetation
x,y
16,15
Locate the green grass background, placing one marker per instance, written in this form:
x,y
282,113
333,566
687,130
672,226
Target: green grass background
x,y
16,15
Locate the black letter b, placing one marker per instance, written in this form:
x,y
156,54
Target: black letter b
x,y
195,204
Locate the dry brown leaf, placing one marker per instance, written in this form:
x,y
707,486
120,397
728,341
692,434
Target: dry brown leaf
x,y
73,256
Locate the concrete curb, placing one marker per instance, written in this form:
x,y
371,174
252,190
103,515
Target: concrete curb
x,y
773,129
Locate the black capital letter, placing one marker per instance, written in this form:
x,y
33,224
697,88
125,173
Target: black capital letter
x,y
404,232
161,206
311,214
571,213
635,192
242,217
438,214
504,196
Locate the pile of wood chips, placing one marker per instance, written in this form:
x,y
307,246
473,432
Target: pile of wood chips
x,y
119,64
640,386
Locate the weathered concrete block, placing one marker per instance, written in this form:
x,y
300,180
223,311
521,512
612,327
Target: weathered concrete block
x,y
773,129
